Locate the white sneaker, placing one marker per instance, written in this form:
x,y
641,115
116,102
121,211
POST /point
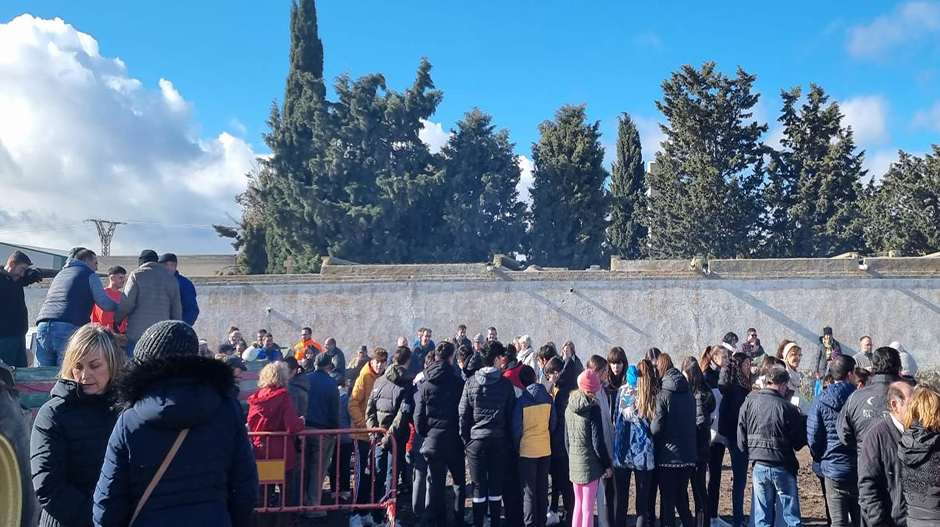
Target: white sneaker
x,y
718,522
552,518
355,521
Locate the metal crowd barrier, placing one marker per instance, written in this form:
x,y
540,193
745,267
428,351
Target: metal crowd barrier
x,y
273,474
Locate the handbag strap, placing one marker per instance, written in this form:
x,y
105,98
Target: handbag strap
x,y
159,475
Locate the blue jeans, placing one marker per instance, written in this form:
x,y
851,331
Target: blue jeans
x,y
52,338
738,484
769,484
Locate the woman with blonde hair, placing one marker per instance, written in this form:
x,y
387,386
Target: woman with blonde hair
x,y
919,451
71,431
634,451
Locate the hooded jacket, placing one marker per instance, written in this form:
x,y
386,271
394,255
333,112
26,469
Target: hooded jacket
x,y
486,406
865,408
673,425
567,382
69,439
271,410
152,295
837,461
533,422
359,399
771,430
919,452
391,405
880,491
437,418
212,480
584,439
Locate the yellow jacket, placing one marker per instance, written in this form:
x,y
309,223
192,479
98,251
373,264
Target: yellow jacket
x,y
359,399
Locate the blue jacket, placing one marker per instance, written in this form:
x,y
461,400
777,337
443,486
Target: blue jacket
x,y
213,480
837,461
188,299
323,406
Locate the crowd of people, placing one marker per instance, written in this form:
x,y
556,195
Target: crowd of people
x,y
159,437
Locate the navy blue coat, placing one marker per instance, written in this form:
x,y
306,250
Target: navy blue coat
x,y
188,299
837,461
323,401
69,439
212,480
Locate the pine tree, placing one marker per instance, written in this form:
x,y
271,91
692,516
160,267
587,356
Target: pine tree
x,y
568,202
902,212
814,181
481,207
626,234
705,189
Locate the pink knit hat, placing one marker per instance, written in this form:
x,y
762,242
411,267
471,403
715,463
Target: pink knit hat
x,y
589,382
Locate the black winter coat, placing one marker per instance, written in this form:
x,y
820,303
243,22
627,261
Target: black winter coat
x,y
567,382
15,319
704,408
673,425
391,404
69,439
771,430
732,397
919,451
864,409
437,418
880,492
486,406
213,480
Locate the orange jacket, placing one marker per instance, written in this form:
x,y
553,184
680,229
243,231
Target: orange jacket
x,y
300,349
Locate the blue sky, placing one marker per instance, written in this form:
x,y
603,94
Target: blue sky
x,y
521,60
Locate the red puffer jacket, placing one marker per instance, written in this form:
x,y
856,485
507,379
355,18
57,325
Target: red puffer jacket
x,y
271,410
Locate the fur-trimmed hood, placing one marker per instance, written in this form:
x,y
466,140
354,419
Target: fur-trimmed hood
x,y
177,391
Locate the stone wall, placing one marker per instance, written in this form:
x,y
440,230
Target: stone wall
x,y
676,306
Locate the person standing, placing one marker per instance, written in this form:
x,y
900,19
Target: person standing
x,y
460,338
587,454
71,431
533,424
423,348
437,421
770,431
180,410
734,385
919,451
491,334
187,290
828,348
339,359
117,277
837,461
68,305
152,295
14,276
674,437
528,356
863,357
867,406
633,442
322,414
304,350
485,410
751,346
880,489
704,408
605,489
358,402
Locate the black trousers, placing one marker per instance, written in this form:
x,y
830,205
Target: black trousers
x,y
438,467
700,494
673,495
561,484
488,467
512,491
822,485
716,456
620,497
644,489
534,475
345,461
843,504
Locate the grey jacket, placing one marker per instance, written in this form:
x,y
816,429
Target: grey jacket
x,y
152,295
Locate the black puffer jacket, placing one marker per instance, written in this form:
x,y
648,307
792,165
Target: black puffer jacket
x,y
771,430
673,425
437,419
865,408
70,437
704,408
880,491
919,451
486,406
391,404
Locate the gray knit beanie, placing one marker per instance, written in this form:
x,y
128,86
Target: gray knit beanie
x,y
169,337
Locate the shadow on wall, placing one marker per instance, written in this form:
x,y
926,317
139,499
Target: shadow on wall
x,y
775,314
596,305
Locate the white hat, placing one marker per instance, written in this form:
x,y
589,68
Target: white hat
x,y
908,364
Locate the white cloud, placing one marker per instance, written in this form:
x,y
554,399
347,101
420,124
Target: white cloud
x,y
908,22
868,117
79,139
928,118
525,182
877,162
651,136
433,135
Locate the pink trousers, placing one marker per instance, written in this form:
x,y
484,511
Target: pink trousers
x,y
584,498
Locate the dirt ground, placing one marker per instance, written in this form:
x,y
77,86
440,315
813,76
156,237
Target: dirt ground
x,y
812,504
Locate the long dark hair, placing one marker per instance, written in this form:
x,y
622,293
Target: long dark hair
x,y
733,373
693,371
618,356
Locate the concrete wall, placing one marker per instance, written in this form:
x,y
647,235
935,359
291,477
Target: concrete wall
x,y
595,309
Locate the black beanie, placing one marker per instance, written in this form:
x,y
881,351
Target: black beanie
x,y
169,337
147,256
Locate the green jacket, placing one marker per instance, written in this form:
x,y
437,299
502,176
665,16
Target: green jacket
x,y
584,439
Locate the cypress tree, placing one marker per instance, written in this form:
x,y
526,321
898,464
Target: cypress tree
x,y
481,207
568,202
626,234
814,181
705,189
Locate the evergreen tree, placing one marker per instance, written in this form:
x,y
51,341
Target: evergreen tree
x,y
481,207
626,234
568,202
706,184
902,213
814,181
